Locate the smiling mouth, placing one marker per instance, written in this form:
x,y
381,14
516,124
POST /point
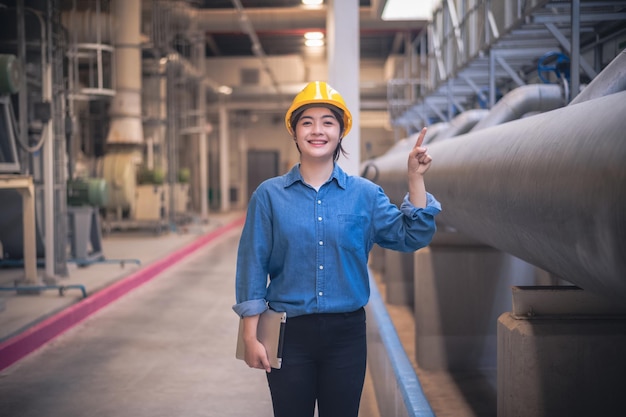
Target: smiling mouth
x,y
317,142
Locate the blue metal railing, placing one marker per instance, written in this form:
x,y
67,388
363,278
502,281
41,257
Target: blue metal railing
x,y
398,390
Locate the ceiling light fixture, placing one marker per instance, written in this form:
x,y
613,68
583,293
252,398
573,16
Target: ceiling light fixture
x,y
316,36
314,39
314,42
409,9
312,2
224,89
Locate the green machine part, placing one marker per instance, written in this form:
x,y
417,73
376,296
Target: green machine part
x,y
10,74
87,192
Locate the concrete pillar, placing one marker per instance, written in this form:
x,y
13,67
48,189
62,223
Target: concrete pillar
x,y
48,178
205,129
343,48
460,291
561,355
224,158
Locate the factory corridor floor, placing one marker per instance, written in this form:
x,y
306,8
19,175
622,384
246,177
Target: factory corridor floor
x,y
164,349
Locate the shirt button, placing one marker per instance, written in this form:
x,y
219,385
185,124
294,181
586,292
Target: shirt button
x,y
319,219
321,243
321,266
319,201
320,293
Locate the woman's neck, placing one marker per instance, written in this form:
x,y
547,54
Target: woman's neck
x,y
315,174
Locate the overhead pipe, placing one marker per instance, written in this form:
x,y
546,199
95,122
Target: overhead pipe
x,y
257,48
88,26
390,168
461,124
372,168
273,19
522,100
549,189
433,132
189,70
611,80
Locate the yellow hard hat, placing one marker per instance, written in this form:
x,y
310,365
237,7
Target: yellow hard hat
x,y
319,92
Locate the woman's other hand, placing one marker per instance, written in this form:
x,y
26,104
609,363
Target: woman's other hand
x,y
419,160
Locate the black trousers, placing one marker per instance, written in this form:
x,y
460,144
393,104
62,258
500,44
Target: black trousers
x,y
324,359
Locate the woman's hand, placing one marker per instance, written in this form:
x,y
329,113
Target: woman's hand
x,y
255,354
419,160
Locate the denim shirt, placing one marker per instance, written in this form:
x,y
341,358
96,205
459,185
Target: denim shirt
x,y
305,251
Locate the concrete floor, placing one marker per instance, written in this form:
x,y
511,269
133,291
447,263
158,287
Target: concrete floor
x,y
167,347
164,349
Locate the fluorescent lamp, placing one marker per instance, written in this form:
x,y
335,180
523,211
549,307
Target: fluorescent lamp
x,y
312,2
409,9
224,89
314,36
314,42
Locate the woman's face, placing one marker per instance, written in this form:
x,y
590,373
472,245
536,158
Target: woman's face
x,y
317,133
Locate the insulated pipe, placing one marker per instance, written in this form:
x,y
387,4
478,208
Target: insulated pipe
x,y
126,124
192,71
432,133
389,170
549,189
462,123
126,130
85,25
370,169
611,80
270,19
522,100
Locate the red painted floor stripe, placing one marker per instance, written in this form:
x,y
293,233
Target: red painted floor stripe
x,y
16,348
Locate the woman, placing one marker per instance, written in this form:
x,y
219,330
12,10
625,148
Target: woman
x,y
310,231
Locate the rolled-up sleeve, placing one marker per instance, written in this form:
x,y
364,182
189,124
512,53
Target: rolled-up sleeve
x,y
406,229
250,308
433,207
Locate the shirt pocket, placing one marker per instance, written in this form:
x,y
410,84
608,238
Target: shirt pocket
x,y
351,231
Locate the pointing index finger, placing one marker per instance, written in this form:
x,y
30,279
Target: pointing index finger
x,y
421,137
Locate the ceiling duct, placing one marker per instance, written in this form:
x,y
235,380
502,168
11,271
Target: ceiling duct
x,y
277,19
257,49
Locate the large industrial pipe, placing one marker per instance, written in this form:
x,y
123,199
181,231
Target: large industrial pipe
x,y
549,189
522,100
611,80
389,170
387,162
462,123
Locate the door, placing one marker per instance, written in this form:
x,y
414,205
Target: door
x,y
262,165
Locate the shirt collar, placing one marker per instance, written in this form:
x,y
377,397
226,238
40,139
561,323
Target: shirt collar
x,y
294,175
